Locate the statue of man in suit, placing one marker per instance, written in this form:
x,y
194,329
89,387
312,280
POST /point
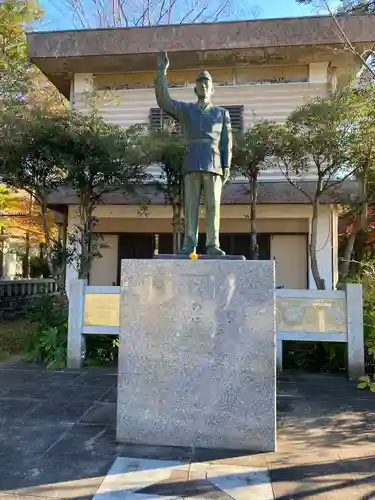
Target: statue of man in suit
x,y
208,154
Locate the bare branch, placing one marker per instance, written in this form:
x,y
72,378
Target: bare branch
x,y
292,182
328,184
114,13
345,38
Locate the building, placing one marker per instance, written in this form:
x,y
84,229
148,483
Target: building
x,y
262,69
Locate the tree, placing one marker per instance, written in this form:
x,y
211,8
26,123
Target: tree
x,y
20,215
357,6
167,150
41,151
21,83
252,152
31,161
315,140
365,58
14,16
125,13
99,158
361,154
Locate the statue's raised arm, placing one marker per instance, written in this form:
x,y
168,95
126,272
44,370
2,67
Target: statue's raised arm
x,y
166,103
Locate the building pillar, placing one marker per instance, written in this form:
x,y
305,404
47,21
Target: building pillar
x,y
318,72
354,321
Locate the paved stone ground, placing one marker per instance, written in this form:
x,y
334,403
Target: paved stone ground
x,y
57,437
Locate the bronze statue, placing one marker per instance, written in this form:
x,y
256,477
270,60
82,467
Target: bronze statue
x,y
208,154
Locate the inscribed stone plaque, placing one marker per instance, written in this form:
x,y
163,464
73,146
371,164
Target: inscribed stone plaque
x,y
197,354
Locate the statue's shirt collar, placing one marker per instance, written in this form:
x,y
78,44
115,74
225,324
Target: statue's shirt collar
x,y
205,106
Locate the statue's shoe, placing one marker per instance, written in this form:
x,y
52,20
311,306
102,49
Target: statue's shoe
x,y
186,251
215,251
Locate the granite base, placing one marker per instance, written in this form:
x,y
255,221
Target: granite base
x,y
197,354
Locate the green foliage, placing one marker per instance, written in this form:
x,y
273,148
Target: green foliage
x,y
322,131
315,356
38,267
367,382
367,278
14,16
99,158
46,337
357,6
21,84
167,150
316,139
252,152
41,151
4,197
46,341
350,6
101,350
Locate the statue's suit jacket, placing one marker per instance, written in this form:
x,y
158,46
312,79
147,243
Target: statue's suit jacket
x,y
207,131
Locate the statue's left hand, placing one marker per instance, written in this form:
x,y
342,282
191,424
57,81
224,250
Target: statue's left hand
x,y
226,175
163,61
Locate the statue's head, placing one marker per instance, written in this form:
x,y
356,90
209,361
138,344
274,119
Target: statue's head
x,y
203,85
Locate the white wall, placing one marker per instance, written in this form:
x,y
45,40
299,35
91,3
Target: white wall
x,y
104,270
290,254
326,238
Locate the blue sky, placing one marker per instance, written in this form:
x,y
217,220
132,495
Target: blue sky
x,y
283,8
57,18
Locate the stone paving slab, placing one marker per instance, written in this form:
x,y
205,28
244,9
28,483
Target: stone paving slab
x,y
140,479
57,437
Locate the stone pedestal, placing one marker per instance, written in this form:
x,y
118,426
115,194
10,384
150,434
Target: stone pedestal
x,y
197,354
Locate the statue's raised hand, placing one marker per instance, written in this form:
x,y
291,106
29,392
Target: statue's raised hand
x,y
163,61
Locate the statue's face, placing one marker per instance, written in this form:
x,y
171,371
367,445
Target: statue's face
x,y
203,88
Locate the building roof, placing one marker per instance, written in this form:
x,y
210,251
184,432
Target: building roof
x,y
235,193
60,54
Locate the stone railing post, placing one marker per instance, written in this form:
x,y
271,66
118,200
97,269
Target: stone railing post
x,y
76,339
354,321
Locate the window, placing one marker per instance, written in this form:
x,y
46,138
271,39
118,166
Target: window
x,y
158,118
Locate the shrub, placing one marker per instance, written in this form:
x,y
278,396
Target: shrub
x,y
47,340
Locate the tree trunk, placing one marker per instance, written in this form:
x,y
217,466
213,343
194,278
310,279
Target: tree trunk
x,y
26,259
84,268
254,249
2,251
86,217
360,246
180,227
63,243
47,237
359,225
175,228
320,284
348,252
